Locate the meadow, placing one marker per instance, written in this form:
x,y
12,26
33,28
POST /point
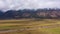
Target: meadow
x,y
30,26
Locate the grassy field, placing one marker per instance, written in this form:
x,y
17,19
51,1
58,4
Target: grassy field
x,y
30,26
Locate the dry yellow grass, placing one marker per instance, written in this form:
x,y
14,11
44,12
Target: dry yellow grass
x,y
31,26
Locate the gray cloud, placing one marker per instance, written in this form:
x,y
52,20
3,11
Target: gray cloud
x,y
31,4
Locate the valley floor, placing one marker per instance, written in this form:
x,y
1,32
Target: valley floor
x,y
30,26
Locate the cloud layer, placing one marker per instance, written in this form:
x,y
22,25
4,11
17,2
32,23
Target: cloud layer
x,y
28,4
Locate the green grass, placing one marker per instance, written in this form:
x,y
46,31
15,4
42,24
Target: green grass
x,y
51,30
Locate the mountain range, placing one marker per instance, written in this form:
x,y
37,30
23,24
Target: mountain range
x,y
30,13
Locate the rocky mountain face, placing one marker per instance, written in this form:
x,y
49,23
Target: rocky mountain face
x,y
26,13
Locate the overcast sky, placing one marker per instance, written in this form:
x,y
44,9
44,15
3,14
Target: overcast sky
x,y
31,4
